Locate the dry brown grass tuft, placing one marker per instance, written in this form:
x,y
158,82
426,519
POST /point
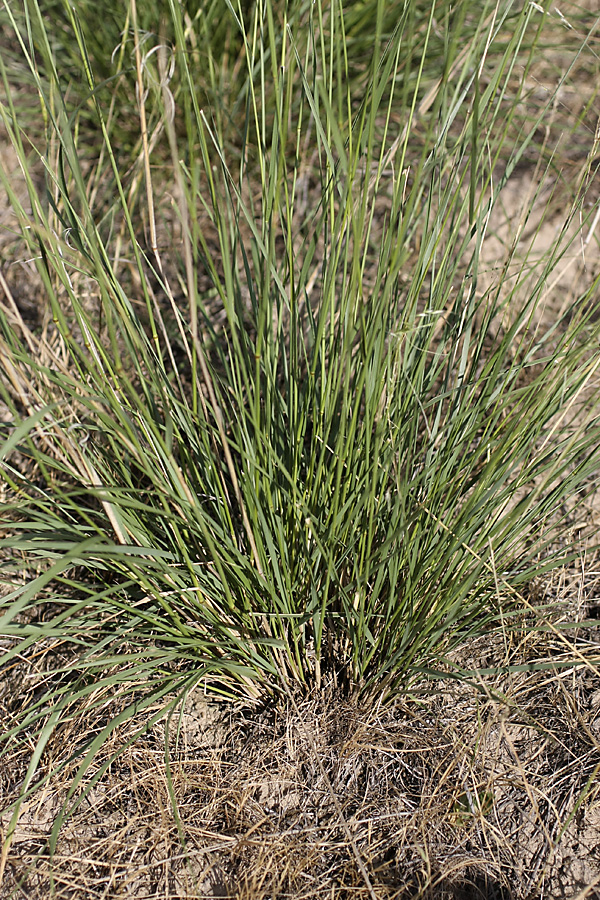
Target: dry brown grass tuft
x,y
463,790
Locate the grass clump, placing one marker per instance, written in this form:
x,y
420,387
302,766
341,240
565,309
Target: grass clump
x,y
286,420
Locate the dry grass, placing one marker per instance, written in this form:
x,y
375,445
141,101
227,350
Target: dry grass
x,y
466,790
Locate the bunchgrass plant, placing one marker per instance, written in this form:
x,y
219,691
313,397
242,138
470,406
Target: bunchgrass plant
x,y
283,420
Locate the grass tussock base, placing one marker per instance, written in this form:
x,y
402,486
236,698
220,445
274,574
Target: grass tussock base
x,y
462,792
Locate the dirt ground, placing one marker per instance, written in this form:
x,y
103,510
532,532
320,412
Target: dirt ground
x,y
484,788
